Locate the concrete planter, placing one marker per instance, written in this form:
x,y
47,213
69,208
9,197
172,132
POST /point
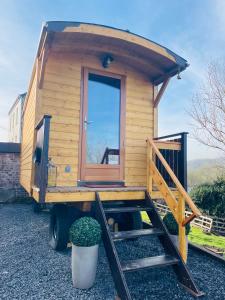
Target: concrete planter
x,y
84,265
175,240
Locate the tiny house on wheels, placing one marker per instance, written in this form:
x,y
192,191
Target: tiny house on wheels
x,y
90,143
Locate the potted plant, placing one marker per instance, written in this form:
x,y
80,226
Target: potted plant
x,y
85,235
173,229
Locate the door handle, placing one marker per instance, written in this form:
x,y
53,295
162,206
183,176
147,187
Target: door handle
x,y
87,123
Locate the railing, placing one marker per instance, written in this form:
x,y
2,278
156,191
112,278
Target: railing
x,y
176,204
218,225
109,151
174,149
203,222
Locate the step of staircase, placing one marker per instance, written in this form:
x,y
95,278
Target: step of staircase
x,y
121,235
119,268
115,210
148,262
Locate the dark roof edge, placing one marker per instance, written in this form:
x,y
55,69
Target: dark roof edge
x,y
59,26
10,147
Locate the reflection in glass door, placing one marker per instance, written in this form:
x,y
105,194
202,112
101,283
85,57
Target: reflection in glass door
x,y
102,121
102,131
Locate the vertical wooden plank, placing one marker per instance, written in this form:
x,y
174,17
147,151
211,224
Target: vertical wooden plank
x,y
148,166
155,112
149,169
161,92
182,233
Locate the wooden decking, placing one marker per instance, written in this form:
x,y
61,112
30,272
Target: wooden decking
x,y
81,194
71,189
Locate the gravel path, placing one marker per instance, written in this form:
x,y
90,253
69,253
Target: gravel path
x,y
29,269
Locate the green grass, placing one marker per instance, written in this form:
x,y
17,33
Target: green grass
x,y
198,237
144,217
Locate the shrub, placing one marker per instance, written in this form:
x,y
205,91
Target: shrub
x,y
210,197
85,232
172,225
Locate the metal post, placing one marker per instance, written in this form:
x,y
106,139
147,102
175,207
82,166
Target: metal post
x,y
107,156
42,169
183,160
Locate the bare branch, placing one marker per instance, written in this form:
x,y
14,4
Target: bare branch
x,y
208,108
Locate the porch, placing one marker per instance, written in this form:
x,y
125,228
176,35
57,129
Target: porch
x,y
166,169
83,194
171,148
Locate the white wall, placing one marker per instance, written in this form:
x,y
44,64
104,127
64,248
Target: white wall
x,y
15,123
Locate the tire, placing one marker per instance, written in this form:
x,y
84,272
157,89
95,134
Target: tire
x,y
36,207
59,227
61,218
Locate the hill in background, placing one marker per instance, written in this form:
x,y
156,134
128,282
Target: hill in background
x,y
204,170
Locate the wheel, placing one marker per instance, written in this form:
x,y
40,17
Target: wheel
x,y
36,207
61,218
59,227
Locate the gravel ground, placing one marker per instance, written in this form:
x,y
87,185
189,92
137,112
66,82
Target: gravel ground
x,y
30,269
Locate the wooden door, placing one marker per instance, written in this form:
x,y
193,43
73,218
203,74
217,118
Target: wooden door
x,y
102,127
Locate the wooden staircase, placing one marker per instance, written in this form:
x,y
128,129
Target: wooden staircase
x,y
166,169
161,173
119,268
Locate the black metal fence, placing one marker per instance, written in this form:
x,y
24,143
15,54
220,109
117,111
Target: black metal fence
x,y
177,159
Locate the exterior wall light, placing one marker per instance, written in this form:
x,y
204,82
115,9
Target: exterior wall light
x,y
107,60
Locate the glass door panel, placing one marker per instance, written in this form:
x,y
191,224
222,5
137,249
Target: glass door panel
x,y
102,120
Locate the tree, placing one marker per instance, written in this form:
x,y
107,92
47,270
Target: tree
x,y
208,108
210,197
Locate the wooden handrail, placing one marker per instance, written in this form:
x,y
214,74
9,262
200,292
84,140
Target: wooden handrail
x,y
168,145
175,203
177,183
189,219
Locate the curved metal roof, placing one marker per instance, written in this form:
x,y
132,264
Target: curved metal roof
x,y
179,63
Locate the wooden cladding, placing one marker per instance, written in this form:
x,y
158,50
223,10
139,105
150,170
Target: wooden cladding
x,y
59,95
61,98
168,145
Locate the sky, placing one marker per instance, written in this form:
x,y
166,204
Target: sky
x,y
194,29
